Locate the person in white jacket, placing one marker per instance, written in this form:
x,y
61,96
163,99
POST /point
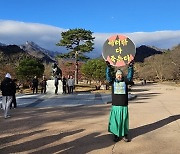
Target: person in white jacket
x,y
8,89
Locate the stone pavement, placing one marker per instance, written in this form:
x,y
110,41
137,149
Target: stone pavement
x,y
52,100
154,124
63,100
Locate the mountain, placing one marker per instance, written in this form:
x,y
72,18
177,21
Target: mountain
x,y
1,44
47,56
177,47
11,54
143,52
37,51
14,53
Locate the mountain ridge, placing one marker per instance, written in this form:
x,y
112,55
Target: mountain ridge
x,y
13,53
36,51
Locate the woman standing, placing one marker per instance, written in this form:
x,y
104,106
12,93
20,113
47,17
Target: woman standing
x,y
119,117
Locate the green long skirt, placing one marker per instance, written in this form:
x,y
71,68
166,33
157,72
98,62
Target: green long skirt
x,y
119,120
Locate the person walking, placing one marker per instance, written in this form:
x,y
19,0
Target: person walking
x,y
71,84
119,116
8,89
35,84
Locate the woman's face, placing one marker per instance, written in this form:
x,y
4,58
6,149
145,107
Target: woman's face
x,y
119,76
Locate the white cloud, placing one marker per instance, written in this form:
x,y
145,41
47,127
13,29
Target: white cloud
x,y
160,39
15,32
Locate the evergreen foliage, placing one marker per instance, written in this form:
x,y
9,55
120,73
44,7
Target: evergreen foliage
x,y
94,69
28,68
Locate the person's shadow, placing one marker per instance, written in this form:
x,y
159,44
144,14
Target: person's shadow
x,y
96,141
151,127
84,144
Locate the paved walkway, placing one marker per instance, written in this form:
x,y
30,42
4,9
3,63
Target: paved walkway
x,y
154,125
52,100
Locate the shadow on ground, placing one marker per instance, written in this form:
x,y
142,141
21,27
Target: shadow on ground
x,y
153,126
29,123
31,118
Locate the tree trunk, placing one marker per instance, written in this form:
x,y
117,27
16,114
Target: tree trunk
x,y
76,68
76,73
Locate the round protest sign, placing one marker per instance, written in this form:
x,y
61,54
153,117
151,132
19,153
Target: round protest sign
x,y
118,50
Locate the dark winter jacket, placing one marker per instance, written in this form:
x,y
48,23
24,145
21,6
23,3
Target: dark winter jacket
x,y
56,81
35,82
64,81
44,83
8,87
119,88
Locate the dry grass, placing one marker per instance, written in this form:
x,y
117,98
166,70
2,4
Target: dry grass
x,y
89,88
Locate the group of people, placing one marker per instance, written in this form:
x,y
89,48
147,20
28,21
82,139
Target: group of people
x,y
67,84
35,84
8,87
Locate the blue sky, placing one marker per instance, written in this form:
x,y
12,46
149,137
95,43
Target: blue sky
x,y
153,23
104,16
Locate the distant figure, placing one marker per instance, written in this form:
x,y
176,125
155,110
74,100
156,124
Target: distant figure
x,y
64,84
144,81
56,83
14,103
43,85
35,85
8,89
67,84
70,83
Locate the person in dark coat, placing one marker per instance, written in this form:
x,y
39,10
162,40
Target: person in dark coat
x,y
119,116
35,85
64,82
56,83
68,77
14,103
8,89
43,85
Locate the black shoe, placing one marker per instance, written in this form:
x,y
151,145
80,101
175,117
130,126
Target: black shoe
x,y
126,139
116,138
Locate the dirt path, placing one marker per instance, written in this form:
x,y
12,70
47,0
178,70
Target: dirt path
x,y
154,126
